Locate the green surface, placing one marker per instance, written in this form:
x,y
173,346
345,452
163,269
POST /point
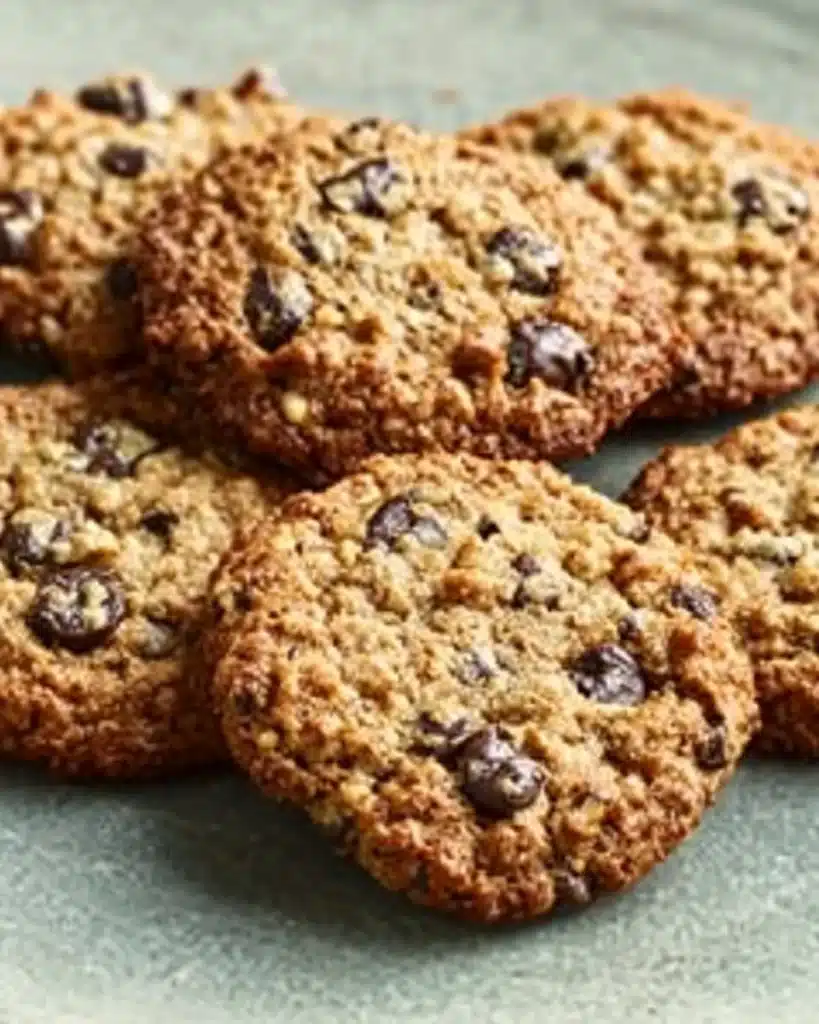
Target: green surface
x,y
197,901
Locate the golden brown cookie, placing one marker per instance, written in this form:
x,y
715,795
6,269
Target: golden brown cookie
x,y
79,174
379,289
108,536
749,507
726,208
497,689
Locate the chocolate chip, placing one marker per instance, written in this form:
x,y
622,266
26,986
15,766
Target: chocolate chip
x,y
781,203
361,135
487,528
425,295
711,752
261,81
476,667
121,280
303,243
548,351
113,448
440,739
396,518
529,263
750,200
389,522
524,595
609,675
160,639
571,889
78,609
639,531
496,777
133,100
375,188
631,627
160,522
20,214
429,532
124,161
695,600
579,166
188,97
276,310
526,564
28,540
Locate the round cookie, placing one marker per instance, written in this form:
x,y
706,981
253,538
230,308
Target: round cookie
x,y
749,507
108,537
79,174
497,689
383,290
725,208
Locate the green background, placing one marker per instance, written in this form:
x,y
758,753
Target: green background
x,y
197,901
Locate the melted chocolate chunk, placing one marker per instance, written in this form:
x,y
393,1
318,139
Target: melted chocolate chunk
x,y
28,539
548,351
495,777
695,600
276,310
529,262
114,448
78,609
781,203
389,522
124,161
609,675
375,188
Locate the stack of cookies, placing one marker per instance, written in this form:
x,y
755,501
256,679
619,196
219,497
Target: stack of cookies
x,y
293,501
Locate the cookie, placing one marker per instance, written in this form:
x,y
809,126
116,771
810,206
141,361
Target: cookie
x,y
78,175
749,507
728,211
109,535
383,290
498,690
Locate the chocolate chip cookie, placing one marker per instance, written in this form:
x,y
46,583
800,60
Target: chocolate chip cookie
x,y
108,537
498,690
725,208
78,175
379,289
749,506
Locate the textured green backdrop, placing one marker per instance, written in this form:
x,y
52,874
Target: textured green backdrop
x,y
197,901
